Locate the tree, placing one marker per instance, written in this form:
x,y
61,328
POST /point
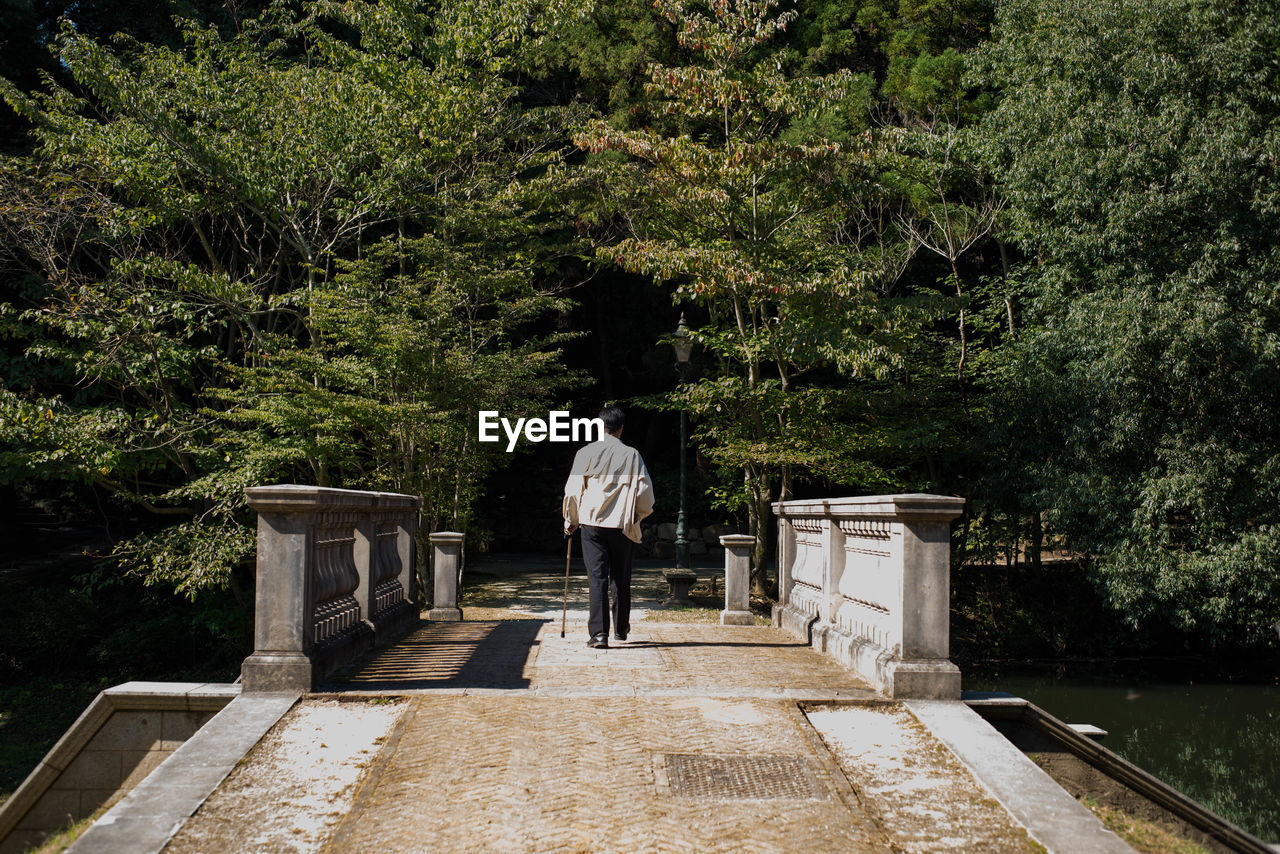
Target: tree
x,y
753,190
1136,144
258,257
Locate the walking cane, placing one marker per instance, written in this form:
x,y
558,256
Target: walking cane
x,y
564,611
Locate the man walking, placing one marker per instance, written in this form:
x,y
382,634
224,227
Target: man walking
x,y
608,492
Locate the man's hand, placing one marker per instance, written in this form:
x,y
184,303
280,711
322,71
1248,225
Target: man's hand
x,y
569,528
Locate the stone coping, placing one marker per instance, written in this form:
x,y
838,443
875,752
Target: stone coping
x,y
908,506
1080,740
299,498
150,696
1049,813
446,538
146,819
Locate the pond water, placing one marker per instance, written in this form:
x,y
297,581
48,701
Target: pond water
x,y
1218,743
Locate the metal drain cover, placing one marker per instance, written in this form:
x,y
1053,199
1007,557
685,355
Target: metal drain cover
x,y
697,776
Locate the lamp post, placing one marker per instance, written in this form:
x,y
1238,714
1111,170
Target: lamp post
x,y
683,344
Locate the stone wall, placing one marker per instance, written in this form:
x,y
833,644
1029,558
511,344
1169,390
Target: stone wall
x,y
659,541
120,738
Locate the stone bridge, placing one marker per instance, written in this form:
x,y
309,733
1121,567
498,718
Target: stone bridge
x,y
361,724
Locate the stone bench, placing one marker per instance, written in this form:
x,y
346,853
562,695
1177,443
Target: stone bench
x,y
678,582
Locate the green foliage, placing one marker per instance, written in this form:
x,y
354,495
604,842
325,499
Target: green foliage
x,y
311,245
739,197
282,254
64,636
1136,145
600,55
913,49
32,719
1021,612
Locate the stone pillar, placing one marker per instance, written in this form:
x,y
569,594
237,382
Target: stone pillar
x,y
786,558
737,580
923,669
446,555
282,598
926,612
832,569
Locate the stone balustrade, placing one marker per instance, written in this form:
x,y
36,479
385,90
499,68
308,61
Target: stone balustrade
x,y
335,576
867,581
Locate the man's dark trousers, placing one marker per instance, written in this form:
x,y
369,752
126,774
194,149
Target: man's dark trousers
x,y
607,553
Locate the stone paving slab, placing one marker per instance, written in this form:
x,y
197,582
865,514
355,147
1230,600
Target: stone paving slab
x,y
520,740
536,590
281,797
916,789
541,593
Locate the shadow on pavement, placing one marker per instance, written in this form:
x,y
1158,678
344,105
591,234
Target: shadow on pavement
x,y
488,654
751,644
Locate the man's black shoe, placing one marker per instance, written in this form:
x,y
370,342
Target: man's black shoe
x,y
620,636
598,642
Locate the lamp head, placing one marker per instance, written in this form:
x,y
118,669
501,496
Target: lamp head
x,y
682,341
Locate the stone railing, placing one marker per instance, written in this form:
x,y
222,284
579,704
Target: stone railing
x,y
335,576
867,581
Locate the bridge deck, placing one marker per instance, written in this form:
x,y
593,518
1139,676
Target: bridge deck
x,y
656,660
687,737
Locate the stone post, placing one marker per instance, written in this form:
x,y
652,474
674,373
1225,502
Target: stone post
x,y
786,557
832,568
446,555
926,612
737,580
282,600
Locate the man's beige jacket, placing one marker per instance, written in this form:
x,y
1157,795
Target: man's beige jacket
x,y
608,487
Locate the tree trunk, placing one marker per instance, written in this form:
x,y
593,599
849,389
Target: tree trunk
x,y
962,546
1036,542
758,518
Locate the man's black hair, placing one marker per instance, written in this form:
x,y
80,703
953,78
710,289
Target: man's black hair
x,y
613,418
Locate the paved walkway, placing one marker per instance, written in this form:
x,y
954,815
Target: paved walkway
x,y
657,660
688,737
523,586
